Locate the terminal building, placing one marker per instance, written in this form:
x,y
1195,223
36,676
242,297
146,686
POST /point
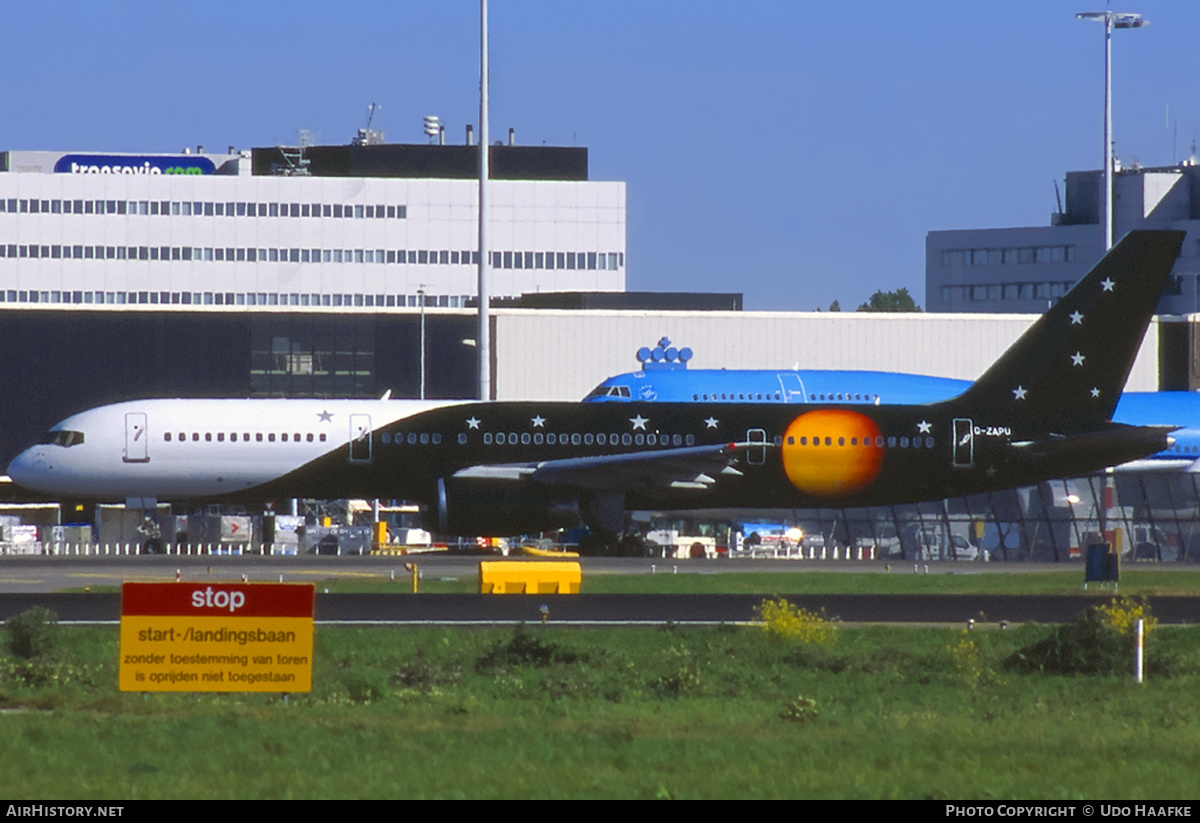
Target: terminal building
x,y
350,227
1027,269
309,272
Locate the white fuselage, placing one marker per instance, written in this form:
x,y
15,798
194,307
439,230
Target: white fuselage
x,y
196,448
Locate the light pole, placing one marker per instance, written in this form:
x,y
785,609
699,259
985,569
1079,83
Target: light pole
x,y
1112,20
421,300
483,334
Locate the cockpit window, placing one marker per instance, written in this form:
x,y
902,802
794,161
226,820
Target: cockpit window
x,y
62,437
609,391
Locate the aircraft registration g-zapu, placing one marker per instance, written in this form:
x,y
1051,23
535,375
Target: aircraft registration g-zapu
x,y
1042,410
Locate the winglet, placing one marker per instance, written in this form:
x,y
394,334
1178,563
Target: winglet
x,y
1067,371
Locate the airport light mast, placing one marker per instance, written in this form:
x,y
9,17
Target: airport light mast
x,y
1112,20
483,333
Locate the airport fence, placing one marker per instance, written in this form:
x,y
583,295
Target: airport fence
x,y
126,549
791,552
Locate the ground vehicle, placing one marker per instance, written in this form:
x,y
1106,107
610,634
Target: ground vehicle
x,y
672,543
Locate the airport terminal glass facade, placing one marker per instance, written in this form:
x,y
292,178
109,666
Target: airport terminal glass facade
x,y
1151,516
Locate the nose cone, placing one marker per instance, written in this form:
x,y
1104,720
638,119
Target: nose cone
x,y
30,469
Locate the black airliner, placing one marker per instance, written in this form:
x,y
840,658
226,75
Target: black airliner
x,y
1043,410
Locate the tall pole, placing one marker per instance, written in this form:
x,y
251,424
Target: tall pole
x,y
483,333
1106,207
1111,20
421,297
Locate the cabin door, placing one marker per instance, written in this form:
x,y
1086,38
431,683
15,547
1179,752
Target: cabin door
x,y
756,455
793,387
964,442
135,438
360,438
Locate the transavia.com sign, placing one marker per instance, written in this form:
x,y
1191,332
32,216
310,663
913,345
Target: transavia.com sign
x,y
133,164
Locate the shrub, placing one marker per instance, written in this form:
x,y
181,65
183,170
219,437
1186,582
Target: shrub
x,y
524,649
968,660
32,634
790,623
1123,614
1098,641
799,710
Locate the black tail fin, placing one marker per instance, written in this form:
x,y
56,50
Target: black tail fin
x,y
1066,373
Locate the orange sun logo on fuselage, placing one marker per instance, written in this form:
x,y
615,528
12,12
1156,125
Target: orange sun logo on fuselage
x,y
832,452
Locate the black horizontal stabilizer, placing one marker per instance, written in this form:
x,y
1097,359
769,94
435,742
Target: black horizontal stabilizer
x,y
1118,444
1067,371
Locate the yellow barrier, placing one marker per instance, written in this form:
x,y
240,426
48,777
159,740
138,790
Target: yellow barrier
x,y
517,577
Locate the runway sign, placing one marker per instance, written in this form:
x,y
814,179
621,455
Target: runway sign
x,y
216,637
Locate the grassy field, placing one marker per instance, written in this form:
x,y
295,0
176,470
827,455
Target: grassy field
x,y
542,712
902,581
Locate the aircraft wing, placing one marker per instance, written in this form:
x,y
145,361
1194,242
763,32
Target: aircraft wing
x,y
693,467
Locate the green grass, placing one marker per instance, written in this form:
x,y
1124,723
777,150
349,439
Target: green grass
x,y
616,713
900,581
705,579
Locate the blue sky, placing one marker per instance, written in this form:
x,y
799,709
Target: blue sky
x,y
796,151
